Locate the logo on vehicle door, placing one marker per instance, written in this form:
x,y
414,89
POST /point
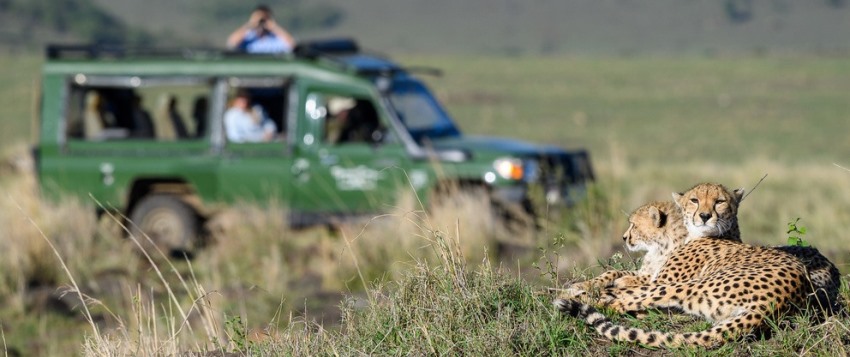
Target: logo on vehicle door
x,y
360,178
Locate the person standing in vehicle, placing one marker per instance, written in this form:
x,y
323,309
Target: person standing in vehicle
x,y
261,34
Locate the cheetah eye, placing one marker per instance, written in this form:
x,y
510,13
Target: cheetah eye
x,y
720,201
694,200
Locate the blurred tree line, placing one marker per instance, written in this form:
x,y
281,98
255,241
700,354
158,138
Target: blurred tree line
x,y
741,11
81,19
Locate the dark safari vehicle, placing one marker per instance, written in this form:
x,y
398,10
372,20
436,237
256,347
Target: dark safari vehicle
x,y
146,134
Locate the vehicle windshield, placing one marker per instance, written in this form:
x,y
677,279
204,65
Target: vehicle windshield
x,y
420,112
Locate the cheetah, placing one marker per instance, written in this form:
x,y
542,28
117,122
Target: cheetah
x,y
711,210
732,284
717,208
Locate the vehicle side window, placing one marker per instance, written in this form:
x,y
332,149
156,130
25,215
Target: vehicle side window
x,y
350,120
255,114
162,112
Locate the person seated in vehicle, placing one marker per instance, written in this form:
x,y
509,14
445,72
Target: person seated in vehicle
x,y
261,34
361,124
337,121
246,123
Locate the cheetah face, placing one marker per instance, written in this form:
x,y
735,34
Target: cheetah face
x,y
645,232
709,210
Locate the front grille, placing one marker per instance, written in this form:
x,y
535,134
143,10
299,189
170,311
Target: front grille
x,y
569,168
563,176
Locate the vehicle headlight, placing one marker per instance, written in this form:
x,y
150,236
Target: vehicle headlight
x,y
509,168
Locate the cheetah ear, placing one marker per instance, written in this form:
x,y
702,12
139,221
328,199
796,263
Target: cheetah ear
x,y
658,218
676,197
739,194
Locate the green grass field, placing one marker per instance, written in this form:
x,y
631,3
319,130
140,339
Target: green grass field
x,y
716,110
652,125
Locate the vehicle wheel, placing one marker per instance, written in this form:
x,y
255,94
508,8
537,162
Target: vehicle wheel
x,y
169,223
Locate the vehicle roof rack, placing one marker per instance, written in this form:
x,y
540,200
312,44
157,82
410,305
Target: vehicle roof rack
x,y
326,48
314,49
96,51
342,52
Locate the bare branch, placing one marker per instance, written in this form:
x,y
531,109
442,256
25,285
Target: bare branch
x,y
841,167
754,187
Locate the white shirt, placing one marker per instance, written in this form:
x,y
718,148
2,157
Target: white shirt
x,y
268,43
240,126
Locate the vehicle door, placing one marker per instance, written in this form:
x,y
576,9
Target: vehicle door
x,y
254,169
348,161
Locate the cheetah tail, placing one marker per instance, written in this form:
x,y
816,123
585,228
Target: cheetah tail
x,y
628,334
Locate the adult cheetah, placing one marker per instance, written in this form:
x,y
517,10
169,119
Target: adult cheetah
x,y
708,211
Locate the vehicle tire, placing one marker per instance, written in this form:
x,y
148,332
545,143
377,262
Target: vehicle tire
x,y
170,224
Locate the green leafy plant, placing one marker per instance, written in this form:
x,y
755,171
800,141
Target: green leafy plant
x,y
551,261
795,234
236,330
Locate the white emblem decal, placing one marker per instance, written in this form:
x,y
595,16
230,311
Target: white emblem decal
x,y
418,179
360,178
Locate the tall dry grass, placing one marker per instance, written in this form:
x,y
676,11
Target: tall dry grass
x,y
87,247
255,259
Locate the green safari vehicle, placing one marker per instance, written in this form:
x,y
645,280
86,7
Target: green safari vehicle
x,y
144,133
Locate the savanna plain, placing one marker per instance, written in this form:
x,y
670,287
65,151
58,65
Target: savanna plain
x,y
448,280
